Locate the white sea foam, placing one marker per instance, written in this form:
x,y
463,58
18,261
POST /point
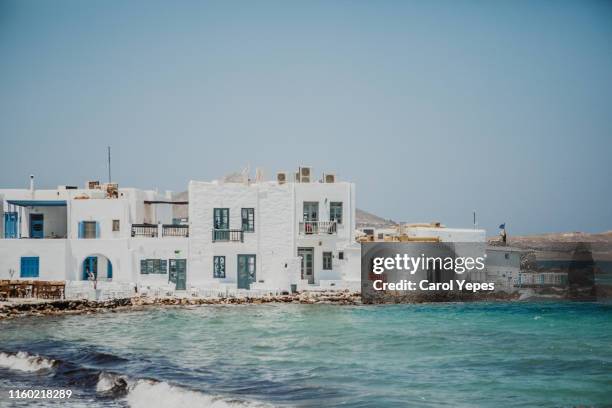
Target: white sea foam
x,y
23,361
108,382
152,394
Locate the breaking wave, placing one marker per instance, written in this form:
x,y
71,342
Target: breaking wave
x,y
23,361
151,393
136,392
111,384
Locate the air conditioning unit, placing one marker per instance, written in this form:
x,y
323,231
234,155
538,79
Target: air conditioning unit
x,y
112,190
93,185
329,178
281,177
304,174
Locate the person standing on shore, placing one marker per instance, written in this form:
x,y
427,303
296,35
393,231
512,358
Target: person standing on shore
x,y
92,277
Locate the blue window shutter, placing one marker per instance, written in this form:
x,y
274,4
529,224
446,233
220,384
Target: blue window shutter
x,y
109,272
10,225
81,229
97,229
29,267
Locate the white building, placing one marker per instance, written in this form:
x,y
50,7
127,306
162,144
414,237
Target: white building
x,y
504,267
273,235
71,234
442,233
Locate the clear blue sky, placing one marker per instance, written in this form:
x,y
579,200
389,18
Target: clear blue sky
x,y
434,108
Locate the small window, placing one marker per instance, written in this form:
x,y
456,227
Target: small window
x,y
29,267
221,218
153,266
340,255
219,267
248,219
507,255
335,211
116,225
88,229
327,261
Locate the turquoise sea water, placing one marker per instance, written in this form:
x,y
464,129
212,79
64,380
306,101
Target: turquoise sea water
x,y
463,354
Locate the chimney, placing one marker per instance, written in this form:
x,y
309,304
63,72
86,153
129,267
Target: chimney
x,y
32,182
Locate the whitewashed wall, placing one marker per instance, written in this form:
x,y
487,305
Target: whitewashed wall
x,y
156,248
62,259
272,242
115,250
104,212
51,253
324,194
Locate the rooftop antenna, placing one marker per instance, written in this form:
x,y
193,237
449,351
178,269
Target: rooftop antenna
x,y
109,164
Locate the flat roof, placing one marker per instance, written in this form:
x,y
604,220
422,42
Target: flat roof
x,y
166,202
38,203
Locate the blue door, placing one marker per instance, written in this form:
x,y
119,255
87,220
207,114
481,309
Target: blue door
x,y
90,264
178,273
246,271
36,226
29,267
109,270
10,225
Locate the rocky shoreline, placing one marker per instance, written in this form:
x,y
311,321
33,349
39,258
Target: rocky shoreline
x,y
31,307
24,308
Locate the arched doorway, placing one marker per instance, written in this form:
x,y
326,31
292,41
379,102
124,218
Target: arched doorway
x,y
97,265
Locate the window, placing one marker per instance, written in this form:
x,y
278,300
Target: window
x,y
335,211
29,267
507,255
221,218
116,225
340,255
311,211
327,261
219,267
248,219
88,229
153,266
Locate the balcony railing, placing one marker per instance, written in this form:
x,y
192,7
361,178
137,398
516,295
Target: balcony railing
x,y
318,227
173,230
144,230
227,235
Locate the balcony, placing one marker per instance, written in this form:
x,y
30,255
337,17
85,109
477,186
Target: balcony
x,y
227,235
318,227
173,230
145,230
38,219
